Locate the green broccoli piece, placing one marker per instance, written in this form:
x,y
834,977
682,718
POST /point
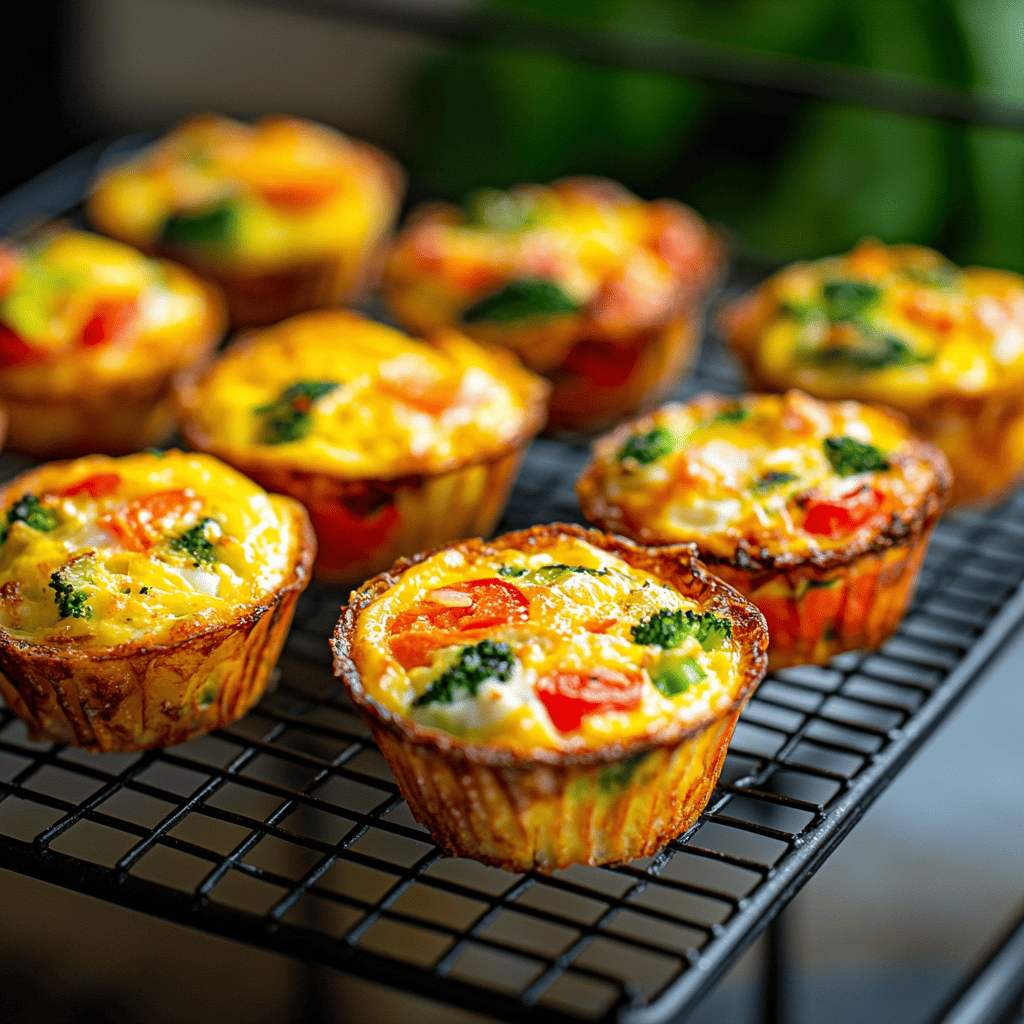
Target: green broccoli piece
x,y
520,300
29,510
767,482
849,456
475,665
874,352
734,414
674,676
200,227
670,627
550,574
195,542
70,600
513,570
649,447
845,300
288,419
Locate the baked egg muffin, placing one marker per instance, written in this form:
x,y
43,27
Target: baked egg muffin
x,y
902,326
589,285
91,332
392,445
555,696
143,600
819,513
283,214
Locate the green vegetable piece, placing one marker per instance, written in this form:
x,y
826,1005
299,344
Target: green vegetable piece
x,y
942,276
674,676
195,542
71,600
849,456
875,352
201,227
550,574
768,482
735,414
617,775
649,447
513,570
475,665
493,210
288,419
845,300
143,590
28,509
669,628
521,300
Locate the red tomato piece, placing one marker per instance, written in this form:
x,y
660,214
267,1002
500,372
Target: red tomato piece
x,y
429,390
299,196
423,628
834,518
136,524
603,364
13,349
101,485
570,696
110,319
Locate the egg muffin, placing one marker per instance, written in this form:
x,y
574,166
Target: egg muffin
x,y
143,600
556,696
392,445
285,214
901,325
91,332
819,513
594,288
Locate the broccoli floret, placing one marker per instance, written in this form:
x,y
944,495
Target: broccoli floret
x,y
674,676
195,542
767,482
71,600
30,511
649,447
849,456
475,665
670,627
845,300
513,570
521,300
549,574
735,414
288,418
873,352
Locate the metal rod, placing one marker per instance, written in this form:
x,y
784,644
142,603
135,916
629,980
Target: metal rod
x,y
674,55
774,992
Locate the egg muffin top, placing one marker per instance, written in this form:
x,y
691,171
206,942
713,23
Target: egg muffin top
x,y
897,324
553,640
74,302
331,391
582,248
263,195
100,552
775,477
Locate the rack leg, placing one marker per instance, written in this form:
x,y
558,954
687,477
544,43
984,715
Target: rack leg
x,y
774,993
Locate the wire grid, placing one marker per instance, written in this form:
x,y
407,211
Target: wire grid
x,y
287,830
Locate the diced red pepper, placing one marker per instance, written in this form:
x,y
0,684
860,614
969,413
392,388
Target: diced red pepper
x,y
13,350
834,518
603,364
110,319
299,196
101,485
571,696
422,629
345,537
136,524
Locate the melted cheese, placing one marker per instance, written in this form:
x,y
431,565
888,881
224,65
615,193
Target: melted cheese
x,y
576,623
713,486
964,327
154,593
381,419
296,189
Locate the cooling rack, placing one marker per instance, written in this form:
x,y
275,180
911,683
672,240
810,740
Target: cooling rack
x,y
287,831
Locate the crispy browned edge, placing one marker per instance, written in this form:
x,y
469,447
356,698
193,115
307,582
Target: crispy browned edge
x,y
535,392
691,295
676,565
68,654
901,529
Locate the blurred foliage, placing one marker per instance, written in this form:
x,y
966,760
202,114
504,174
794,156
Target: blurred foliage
x,y
787,178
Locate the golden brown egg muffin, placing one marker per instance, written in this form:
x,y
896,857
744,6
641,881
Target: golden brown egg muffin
x,y
143,600
555,696
589,285
392,445
285,214
91,332
819,513
902,326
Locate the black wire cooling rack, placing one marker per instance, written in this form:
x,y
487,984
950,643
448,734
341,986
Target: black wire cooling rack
x,y
287,830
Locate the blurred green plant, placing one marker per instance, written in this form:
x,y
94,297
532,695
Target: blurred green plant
x,y
788,178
